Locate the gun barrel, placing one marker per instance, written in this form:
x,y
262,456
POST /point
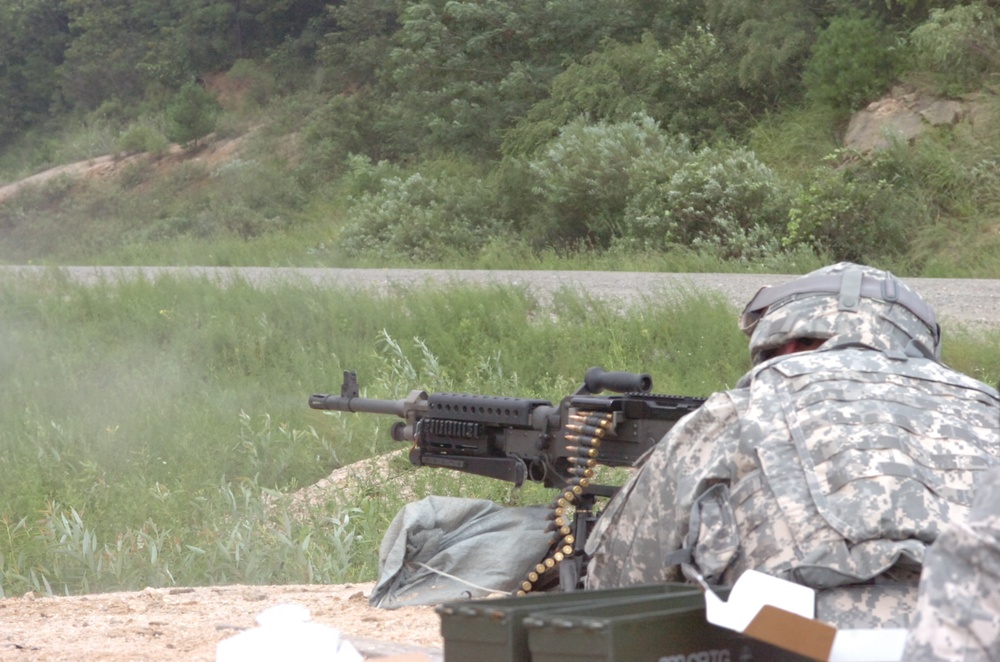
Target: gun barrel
x,y
357,405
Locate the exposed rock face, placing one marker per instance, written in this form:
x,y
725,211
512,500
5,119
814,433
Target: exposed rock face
x,y
903,115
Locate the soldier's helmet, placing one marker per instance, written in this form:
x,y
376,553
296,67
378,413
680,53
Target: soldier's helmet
x,y
842,304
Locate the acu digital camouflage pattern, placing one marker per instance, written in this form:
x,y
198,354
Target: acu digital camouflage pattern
x,y
834,468
848,316
958,612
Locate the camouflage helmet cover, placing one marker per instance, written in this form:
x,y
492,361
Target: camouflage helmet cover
x,y
847,303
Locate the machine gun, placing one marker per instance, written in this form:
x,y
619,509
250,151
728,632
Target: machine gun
x,y
518,439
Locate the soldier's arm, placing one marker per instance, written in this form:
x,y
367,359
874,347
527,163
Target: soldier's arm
x,y
648,518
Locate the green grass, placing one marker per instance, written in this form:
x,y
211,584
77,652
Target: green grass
x,y
151,433
145,422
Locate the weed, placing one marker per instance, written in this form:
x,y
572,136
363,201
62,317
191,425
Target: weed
x,y
183,433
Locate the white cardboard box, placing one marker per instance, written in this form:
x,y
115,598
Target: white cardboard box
x,y
782,613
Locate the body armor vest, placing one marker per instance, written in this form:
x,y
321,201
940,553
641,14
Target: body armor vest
x,y
862,458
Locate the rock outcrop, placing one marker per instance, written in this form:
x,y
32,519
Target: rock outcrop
x,y
905,114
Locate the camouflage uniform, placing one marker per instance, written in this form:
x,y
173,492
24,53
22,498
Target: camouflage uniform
x,y
834,468
958,612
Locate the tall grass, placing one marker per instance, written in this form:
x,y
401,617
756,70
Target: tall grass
x,y
154,433
145,424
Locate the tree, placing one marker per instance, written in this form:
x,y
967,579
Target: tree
x,y
192,114
852,61
766,43
960,46
686,87
357,44
109,38
33,39
464,71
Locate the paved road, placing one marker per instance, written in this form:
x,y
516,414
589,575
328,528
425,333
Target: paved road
x,y
974,302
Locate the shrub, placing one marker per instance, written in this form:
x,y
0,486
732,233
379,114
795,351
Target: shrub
x,y
258,84
584,177
721,200
688,87
852,61
143,137
136,173
192,114
960,46
345,125
421,217
252,197
853,215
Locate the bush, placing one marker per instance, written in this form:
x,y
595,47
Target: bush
x,y
634,186
136,173
192,114
960,46
584,178
853,215
143,137
852,61
344,125
251,198
258,84
420,217
721,200
688,87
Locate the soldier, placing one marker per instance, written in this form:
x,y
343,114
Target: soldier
x,y
834,463
958,609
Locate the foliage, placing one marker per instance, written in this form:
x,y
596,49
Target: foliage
x,y
465,70
143,137
584,178
33,38
251,198
853,61
632,184
64,219
420,215
127,51
510,85
192,114
959,46
99,63
686,87
765,46
720,200
256,84
854,215
353,53
343,126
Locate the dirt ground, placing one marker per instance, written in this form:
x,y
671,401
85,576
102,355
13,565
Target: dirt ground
x,y
188,623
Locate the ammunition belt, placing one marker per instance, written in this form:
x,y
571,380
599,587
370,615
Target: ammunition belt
x,y
583,440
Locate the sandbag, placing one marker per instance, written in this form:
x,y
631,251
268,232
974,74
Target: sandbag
x,y
446,548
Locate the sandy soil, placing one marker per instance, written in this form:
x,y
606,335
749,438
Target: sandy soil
x,y
188,623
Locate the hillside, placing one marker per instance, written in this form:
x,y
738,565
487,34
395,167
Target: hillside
x,y
908,131
678,136
110,166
